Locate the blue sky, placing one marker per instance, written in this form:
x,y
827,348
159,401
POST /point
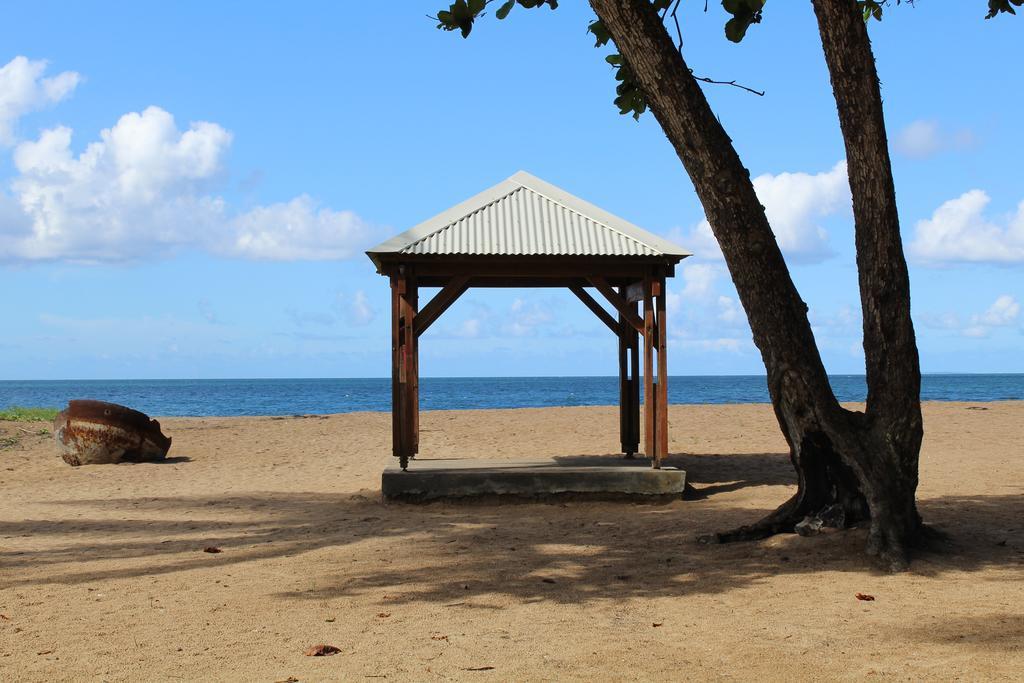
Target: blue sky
x,y
186,191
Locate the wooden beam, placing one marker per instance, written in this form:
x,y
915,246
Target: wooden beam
x,y
602,314
624,309
440,303
487,280
515,263
523,268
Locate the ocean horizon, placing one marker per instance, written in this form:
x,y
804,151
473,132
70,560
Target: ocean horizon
x,y
261,397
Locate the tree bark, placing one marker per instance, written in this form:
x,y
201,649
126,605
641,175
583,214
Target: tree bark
x,y
890,348
842,457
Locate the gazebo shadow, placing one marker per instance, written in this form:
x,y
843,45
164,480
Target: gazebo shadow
x,y
445,554
714,473
707,474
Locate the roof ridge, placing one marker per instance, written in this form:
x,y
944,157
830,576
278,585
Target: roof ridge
x,y
450,223
589,218
565,225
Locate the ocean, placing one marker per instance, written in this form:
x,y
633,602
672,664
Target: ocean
x,y
185,397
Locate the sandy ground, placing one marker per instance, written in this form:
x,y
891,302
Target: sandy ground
x,y
103,574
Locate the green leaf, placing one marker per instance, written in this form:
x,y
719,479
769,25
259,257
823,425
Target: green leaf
x,y
999,6
600,33
505,9
460,16
871,8
735,30
744,13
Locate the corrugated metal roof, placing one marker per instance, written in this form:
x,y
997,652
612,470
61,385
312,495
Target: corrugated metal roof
x,y
525,216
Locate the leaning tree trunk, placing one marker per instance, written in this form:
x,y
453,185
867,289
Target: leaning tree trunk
x,y
893,368
843,459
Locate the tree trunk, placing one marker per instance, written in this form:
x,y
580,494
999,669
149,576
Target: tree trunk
x,y
844,459
890,349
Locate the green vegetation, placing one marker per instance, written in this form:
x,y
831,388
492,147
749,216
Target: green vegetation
x,y
22,414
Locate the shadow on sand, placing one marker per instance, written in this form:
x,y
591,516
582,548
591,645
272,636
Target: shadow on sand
x,y
449,553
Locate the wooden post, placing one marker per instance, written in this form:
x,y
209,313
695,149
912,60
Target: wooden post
x,y
404,368
414,368
649,371
624,389
409,412
397,290
661,417
629,387
634,373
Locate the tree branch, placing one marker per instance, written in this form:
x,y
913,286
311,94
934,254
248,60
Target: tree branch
x,y
733,83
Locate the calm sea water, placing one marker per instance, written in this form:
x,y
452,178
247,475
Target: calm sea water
x,y
306,396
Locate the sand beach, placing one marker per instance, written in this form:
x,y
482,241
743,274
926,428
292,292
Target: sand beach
x,y
103,574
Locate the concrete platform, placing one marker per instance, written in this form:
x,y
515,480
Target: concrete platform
x,y
588,476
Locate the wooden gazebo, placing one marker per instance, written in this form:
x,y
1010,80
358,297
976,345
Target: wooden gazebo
x,y
524,232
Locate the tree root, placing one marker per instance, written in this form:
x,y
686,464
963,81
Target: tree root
x,y
889,547
781,521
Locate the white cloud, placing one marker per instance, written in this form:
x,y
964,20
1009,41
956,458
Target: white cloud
x,y
699,280
145,189
959,231
468,329
296,231
1003,312
526,317
794,203
355,309
359,310
522,317
714,344
728,311
472,327
705,314
941,321
136,191
920,139
700,240
307,318
23,89
923,138
673,301
845,321
975,331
